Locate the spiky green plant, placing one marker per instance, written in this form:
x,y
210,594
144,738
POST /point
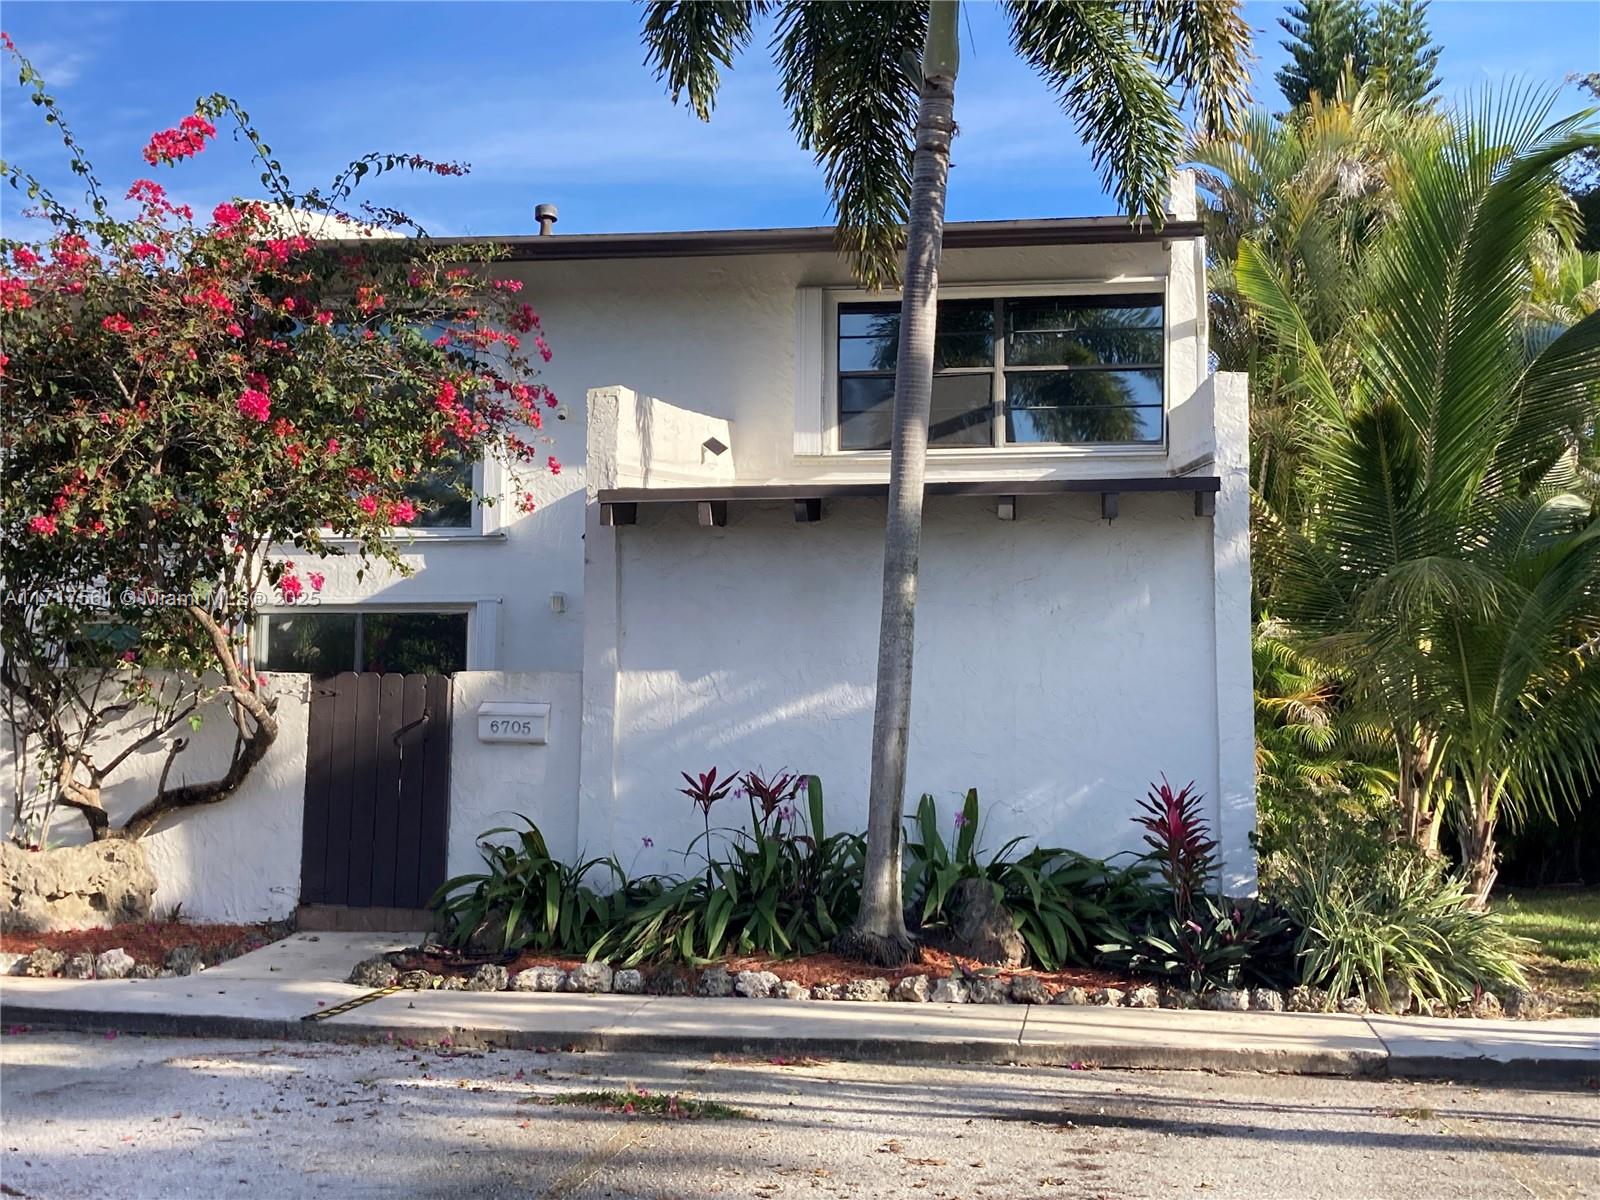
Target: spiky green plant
x,y
1447,561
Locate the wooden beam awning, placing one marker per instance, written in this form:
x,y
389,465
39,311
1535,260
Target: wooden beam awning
x,y
620,506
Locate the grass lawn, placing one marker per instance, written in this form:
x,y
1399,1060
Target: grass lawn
x,y
1565,925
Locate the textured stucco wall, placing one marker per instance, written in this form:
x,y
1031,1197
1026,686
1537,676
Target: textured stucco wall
x,y
234,861
1062,663
715,336
491,783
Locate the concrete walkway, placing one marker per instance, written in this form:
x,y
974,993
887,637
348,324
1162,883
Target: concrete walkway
x,y
270,992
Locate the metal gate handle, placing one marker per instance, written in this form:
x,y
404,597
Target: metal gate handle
x,y
405,729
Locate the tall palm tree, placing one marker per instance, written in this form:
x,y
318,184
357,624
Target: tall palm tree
x,y
1448,561
870,89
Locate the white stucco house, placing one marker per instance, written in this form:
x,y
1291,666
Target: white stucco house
x,y
699,586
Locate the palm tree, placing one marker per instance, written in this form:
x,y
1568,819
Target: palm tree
x,y
870,89
1448,560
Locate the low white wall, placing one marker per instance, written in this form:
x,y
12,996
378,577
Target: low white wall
x,y
234,861
492,782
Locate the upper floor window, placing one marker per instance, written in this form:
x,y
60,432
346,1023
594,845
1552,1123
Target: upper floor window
x,y
1009,371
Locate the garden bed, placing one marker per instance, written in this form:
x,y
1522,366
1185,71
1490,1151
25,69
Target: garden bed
x,y
142,949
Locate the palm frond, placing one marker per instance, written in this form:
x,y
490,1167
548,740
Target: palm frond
x,y
689,43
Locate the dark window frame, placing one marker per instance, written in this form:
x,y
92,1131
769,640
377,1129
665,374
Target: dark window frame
x,y
998,369
360,613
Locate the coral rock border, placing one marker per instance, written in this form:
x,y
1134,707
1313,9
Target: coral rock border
x,y
380,971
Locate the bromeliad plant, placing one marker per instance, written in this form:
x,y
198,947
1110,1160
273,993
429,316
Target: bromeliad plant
x,y
1064,903
782,887
529,900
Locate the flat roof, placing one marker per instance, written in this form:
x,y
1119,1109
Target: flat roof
x,y
958,235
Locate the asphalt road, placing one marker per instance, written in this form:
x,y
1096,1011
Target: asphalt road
x,y
151,1118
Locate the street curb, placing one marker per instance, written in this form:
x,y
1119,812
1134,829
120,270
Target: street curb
x,y
1355,1064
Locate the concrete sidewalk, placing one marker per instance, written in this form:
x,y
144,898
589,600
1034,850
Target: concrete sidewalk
x,y
270,992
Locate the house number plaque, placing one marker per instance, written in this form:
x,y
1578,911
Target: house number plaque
x,y
513,721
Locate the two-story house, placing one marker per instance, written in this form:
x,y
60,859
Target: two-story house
x,y
700,584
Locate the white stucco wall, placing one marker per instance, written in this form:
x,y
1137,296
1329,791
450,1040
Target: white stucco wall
x,y
238,860
1063,662
716,336
491,783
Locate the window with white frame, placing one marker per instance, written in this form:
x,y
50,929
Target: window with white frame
x,y
1011,371
400,641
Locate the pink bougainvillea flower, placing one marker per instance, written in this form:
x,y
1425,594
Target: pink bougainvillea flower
x,y
554,464
116,323
253,403
129,656
226,216
44,526
143,250
324,317
316,579
187,140
402,512
290,588
333,445
368,504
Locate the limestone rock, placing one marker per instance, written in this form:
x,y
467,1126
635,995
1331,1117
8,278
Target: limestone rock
x,y
790,990
983,927
1266,1000
1029,989
714,981
76,887
912,989
1143,997
1171,997
949,991
866,989
452,983
1399,996
669,981
541,979
374,972
79,966
827,991
489,977
113,964
1307,999
417,980
757,985
627,982
589,977
1486,1006
184,960
1528,1004
42,963
1353,1005
1106,995
988,989
1071,994
11,964
145,971
1226,1000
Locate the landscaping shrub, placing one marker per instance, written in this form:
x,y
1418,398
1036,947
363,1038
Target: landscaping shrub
x,y
1064,903
528,900
1398,923
1198,940
782,887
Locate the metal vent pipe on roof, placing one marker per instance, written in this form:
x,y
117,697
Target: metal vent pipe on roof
x,y
546,215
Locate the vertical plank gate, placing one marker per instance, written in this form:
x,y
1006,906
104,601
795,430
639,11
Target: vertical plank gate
x,y
377,800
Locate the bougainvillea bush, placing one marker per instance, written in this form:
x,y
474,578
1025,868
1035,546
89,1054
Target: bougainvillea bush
x,y
189,395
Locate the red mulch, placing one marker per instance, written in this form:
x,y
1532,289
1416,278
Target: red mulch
x,y
812,969
147,941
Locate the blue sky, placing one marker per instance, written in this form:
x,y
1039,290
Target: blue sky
x,y
550,102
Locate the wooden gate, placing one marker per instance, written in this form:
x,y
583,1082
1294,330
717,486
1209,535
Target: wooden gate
x,y
377,790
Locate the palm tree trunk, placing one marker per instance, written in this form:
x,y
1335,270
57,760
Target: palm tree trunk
x,y
879,934
1480,853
